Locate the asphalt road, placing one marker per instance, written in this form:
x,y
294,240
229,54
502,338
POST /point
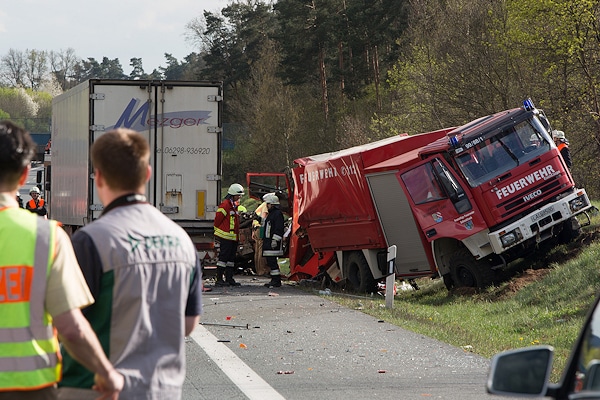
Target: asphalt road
x,y
287,343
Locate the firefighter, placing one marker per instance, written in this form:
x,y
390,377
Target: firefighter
x,y
563,146
227,228
258,224
36,204
273,239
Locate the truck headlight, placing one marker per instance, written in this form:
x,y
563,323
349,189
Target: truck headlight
x,y
510,238
578,203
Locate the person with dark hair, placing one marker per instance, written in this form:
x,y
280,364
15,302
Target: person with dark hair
x,y
143,270
45,290
227,230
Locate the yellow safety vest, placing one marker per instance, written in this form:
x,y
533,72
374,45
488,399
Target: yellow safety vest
x,y
29,350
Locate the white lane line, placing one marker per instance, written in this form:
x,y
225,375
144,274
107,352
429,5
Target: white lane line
x,y
248,381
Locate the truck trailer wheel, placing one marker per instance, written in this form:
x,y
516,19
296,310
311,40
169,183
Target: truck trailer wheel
x,y
468,272
359,273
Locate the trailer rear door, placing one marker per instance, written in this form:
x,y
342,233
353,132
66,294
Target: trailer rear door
x,y
182,123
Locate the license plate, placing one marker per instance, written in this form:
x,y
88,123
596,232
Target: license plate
x,y
542,214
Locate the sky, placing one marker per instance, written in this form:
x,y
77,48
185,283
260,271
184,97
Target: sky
x,y
121,29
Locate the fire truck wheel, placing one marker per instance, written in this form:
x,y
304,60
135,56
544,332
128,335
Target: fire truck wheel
x,y
468,272
448,282
359,273
570,230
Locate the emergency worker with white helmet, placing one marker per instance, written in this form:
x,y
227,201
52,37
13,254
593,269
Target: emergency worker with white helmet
x,y
563,146
227,228
273,239
36,204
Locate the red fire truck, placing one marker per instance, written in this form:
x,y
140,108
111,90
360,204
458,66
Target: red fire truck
x,y
458,203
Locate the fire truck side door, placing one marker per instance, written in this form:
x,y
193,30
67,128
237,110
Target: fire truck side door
x,y
447,209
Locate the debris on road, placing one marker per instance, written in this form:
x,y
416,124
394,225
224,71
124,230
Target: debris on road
x,y
247,326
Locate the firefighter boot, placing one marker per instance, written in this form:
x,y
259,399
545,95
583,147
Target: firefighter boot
x,y
220,281
229,277
275,281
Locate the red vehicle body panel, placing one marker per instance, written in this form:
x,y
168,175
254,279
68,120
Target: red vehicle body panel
x,y
333,204
332,192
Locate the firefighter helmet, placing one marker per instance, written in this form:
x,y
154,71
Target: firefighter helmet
x,y
34,189
271,198
265,196
558,134
236,190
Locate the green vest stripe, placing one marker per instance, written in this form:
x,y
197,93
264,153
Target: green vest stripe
x,y
28,346
21,348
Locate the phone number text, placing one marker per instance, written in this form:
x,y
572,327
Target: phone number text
x,y
183,150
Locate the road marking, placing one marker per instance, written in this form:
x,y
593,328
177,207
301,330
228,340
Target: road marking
x,y
244,377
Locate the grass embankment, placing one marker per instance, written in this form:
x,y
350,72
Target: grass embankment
x,y
545,303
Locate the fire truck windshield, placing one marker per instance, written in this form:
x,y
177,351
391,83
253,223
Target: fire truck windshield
x,y
492,156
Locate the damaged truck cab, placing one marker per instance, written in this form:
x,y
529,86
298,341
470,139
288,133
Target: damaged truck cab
x,y
507,189
457,203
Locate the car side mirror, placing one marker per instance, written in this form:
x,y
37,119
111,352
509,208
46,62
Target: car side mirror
x,y
524,371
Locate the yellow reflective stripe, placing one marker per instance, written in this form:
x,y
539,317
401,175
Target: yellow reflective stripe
x,y
225,235
222,211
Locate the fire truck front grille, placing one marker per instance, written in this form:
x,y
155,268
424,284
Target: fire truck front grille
x,y
539,225
544,190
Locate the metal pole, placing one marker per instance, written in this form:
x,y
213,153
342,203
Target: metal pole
x,y
391,278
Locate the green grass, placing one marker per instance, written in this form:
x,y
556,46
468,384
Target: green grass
x,y
549,309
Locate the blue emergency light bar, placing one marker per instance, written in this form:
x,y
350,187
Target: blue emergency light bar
x,y
528,104
454,141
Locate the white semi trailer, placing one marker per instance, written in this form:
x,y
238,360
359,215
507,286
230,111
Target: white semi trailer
x,y
182,122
